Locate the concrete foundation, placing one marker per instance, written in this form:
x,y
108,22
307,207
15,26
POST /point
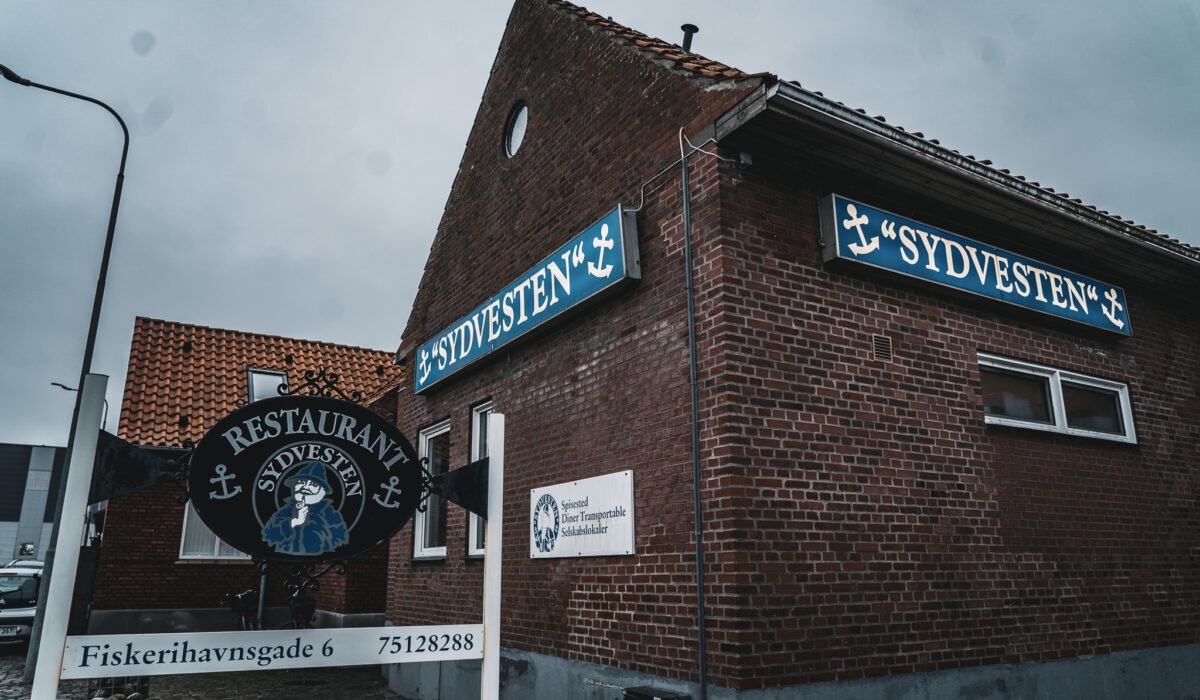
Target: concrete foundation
x,y
1169,673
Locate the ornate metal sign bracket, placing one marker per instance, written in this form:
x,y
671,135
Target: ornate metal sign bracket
x,y
305,578
182,464
465,486
318,382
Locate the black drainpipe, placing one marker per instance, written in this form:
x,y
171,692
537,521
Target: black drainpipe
x,y
696,480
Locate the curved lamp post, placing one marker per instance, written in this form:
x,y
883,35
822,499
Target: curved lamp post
x,y
89,349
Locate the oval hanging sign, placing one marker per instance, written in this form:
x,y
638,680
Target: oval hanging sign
x,y
304,479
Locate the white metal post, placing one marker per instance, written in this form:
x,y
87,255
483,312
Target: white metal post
x,y
70,533
493,551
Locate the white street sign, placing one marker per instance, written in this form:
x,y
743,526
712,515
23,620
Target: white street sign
x,y
102,656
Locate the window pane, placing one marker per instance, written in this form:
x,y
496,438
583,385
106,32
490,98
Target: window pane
x,y
224,549
264,385
1092,409
480,534
1015,396
435,515
481,422
18,591
198,540
477,530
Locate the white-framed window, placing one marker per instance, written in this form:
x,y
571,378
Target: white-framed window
x,y
1027,395
429,527
264,383
476,525
198,542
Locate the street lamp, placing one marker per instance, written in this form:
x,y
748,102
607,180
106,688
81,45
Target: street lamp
x,y
88,350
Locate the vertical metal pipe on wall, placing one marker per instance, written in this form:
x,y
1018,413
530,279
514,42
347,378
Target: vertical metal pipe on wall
x,y
695,420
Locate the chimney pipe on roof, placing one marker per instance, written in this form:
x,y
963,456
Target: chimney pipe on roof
x,y
688,31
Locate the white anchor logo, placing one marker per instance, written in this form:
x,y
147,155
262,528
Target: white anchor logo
x,y
425,366
856,222
1111,311
603,242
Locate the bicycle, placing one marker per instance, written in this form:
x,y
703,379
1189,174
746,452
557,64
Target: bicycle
x,y
245,606
302,610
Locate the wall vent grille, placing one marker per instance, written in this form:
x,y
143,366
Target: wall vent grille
x,y
881,348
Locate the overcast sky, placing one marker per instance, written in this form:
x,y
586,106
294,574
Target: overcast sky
x,y
289,161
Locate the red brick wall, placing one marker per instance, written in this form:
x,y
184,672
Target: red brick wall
x,y
139,564
881,527
598,394
861,519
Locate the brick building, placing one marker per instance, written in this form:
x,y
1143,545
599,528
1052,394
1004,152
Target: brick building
x,y
160,567
30,475
910,483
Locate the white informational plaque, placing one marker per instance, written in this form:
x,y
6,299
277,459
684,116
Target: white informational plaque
x,y
586,518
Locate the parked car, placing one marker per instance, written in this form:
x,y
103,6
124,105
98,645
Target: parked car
x,y
19,586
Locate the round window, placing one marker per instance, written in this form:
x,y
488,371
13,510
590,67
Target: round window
x,y
514,132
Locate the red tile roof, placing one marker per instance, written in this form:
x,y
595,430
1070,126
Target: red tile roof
x,y
182,378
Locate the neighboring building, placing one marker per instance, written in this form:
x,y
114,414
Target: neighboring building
x,y
160,566
909,487
28,475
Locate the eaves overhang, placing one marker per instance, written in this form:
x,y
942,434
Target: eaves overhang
x,y
807,128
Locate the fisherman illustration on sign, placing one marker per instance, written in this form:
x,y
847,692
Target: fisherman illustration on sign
x,y
309,524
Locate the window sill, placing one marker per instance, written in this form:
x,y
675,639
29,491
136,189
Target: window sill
x,y
201,560
1018,425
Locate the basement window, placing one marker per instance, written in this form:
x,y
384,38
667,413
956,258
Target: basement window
x,y
1023,394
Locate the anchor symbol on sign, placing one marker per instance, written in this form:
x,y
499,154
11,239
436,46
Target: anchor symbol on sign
x,y
221,478
603,242
391,489
425,366
856,222
1111,312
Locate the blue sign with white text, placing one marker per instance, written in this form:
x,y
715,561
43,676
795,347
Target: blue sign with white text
x,y
860,233
593,262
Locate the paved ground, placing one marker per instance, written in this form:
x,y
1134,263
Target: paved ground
x,y
352,682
